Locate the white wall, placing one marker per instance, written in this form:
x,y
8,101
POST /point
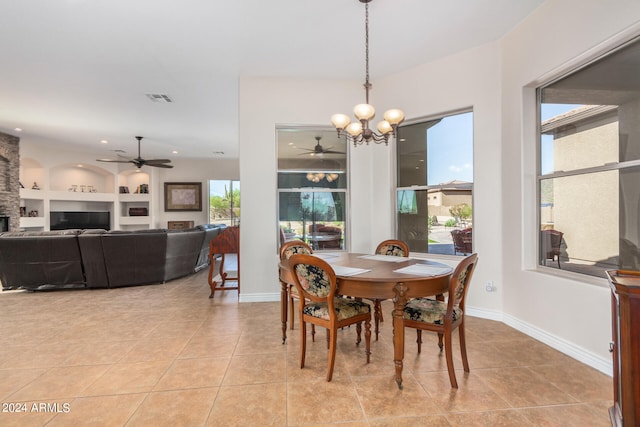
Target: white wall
x,y
264,104
572,313
469,79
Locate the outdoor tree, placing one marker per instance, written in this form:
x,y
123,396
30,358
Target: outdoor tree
x,y
460,212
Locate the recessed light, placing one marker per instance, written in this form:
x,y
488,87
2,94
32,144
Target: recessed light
x,y
80,166
18,129
104,141
174,152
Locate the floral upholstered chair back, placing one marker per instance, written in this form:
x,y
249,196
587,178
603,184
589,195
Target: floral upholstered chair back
x,y
294,247
393,248
460,280
316,278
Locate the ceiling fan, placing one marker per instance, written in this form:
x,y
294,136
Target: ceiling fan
x,y
319,149
139,161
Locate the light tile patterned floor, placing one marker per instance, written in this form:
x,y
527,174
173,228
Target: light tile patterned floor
x,y
167,355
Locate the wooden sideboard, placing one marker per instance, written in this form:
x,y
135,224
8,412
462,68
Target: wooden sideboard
x,y
625,316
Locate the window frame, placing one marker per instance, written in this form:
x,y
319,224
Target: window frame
x,y
571,68
311,189
424,119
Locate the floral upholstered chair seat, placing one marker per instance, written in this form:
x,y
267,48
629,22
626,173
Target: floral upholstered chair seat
x,y
429,311
345,308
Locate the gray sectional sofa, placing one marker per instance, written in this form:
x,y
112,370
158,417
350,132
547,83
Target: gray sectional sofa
x,y
42,260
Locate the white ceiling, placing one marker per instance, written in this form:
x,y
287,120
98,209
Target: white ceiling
x,y
77,71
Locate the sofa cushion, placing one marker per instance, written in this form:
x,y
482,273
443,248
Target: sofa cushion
x,y
134,257
41,260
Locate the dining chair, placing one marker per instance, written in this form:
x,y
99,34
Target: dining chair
x,y
289,248
444,317
321,305
392,248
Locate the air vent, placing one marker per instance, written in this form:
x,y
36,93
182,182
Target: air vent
x,y
159,97
218,153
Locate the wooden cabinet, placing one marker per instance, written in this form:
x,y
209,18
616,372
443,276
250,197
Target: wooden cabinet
x,y
625,315
179,225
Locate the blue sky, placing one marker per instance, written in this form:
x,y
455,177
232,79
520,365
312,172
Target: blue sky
x,y
216,188
450,150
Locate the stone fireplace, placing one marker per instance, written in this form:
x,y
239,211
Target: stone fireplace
x,y
9,181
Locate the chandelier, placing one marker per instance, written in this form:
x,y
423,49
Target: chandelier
x,y
319,176
359,132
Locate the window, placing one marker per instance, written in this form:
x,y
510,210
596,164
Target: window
x,y
312,187
224,202
589,166
435,184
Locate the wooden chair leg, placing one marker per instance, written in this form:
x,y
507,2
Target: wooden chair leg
x,y
419,340
463,346
359,332
440,341
449,356
303,342
377,316
332,352
291,311
367,339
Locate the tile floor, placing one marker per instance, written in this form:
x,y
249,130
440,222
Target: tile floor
x,y
167,355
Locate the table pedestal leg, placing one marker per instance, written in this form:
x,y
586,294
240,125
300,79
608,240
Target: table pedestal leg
x,y
284,302
398,329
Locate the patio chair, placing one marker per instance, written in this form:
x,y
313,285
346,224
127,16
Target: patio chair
x,y
550,244
462,241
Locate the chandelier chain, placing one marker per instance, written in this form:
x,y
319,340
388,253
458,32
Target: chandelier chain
x,y
367,85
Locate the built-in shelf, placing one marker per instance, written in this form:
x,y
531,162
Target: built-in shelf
x,y
32,222
134,220
54,194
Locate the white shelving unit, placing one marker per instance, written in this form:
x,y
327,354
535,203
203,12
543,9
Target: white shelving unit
x,y
56,193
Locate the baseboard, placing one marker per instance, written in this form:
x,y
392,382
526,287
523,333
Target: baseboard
x,y
604,365
270,297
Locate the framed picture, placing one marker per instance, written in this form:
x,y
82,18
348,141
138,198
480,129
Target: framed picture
x,y
182,196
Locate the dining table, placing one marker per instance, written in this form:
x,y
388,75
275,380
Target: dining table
x,y
378,277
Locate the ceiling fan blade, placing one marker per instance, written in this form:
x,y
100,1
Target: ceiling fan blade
x,y
113,161
333,152
159,165
158,161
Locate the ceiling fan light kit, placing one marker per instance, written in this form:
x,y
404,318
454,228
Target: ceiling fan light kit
x,y
359,132
140,162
